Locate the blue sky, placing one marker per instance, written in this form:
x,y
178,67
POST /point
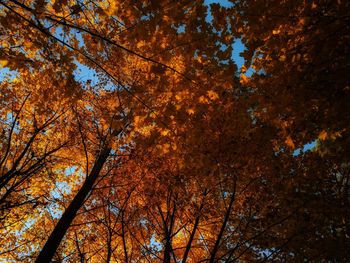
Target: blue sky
x,y
307,147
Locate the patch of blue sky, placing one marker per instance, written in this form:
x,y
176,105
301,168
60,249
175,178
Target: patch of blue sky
x,y
61,35
306,147
80,39
55,210
155,245
84,73
225,3
300,151
181,29
7,73
238,46
266,253
61,189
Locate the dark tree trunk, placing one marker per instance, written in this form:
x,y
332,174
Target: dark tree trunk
x,y
223,226
189,244
68,216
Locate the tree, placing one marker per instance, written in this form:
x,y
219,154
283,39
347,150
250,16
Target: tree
x,y
166,151
299,55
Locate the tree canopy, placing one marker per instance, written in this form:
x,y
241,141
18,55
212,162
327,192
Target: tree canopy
x,y
130,132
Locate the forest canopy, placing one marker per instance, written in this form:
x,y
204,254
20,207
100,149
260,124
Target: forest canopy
x,y
131,131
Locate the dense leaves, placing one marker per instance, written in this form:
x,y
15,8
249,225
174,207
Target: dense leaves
x,y
129,134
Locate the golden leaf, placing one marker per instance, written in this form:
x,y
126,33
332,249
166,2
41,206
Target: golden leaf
x,y
244,79
276,31
289,142
323,135
3,63
282,58
190,111
212,95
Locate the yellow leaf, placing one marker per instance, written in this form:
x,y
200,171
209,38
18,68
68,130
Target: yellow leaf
x,y
3,63
244,79
190,111
212,95
282,58
137,119
203,100
164,132
166,18
323,135
140,44
289,142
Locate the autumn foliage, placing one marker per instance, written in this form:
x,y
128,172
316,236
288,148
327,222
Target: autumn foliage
x,y
129,134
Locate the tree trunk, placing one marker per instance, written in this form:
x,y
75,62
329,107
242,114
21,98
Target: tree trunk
x,y
224,223
51,245
196,223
